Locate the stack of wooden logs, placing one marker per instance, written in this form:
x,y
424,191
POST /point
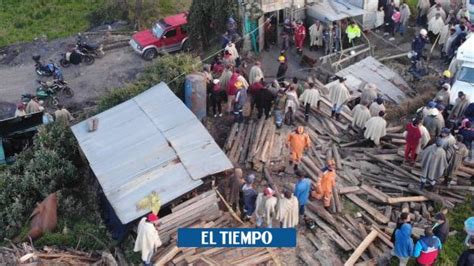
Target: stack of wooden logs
x,y
373,186
26,254
202,211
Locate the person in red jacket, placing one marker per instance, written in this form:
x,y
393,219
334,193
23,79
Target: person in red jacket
x,y
412,137
300,35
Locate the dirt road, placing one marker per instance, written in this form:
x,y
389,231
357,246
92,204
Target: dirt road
x,y
117,67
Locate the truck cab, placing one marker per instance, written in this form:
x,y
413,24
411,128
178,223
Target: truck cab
x,y
167,35
464,77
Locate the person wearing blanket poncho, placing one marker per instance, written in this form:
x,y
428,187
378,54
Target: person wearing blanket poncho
x,y
310,98
256,73
287,209
433,164
339,95
266,208
148,239
375,128
360,115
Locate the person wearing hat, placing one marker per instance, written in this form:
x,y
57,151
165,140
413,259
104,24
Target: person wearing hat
x,y
456,153
298,141
442,96
302,189
287,208
147,240
467,257
310,98
460,105
300,35
436,10
417,46
424,111
412,137
427,248
240,99
339,95
326,183
447,77
62,115
433,164
434,122
266,208
249,195
316,35
447,139
435,27
360,115
20,110
441,227
447,45
375,128
376,106
353,33
282,68
217,95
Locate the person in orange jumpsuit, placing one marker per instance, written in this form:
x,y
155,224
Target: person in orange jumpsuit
x,y
326,182
298,141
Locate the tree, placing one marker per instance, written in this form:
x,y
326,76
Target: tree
x,y
201,25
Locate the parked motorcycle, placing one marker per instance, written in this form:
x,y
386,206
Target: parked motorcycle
x,y
58,87
47,70
96,50
75,57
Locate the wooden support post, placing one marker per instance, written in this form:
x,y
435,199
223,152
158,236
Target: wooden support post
x,y
361,248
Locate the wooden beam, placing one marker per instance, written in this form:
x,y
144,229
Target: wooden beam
x,y
361,248
407,199
371,210
345,190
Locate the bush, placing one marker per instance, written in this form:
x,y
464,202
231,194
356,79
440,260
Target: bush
x,y
171,69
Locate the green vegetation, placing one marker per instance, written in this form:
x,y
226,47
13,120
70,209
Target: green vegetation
x,y
171,69
23,21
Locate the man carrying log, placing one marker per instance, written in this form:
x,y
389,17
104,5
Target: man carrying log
x,y
266,208
326,183
287,208
302,189
375,128
148,239
433,164
298,142
412,138
310,98
456,154
339,95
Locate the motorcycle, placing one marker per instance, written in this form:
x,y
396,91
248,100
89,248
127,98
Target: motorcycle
x,y
75,57
58,87
96,50
47,70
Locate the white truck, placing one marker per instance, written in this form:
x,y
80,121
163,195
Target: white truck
x,y
464,77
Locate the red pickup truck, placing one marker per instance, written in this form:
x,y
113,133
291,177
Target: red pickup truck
x,y
167,35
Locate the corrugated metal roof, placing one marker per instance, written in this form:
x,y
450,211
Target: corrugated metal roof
x,y
152,142
328,10
389,83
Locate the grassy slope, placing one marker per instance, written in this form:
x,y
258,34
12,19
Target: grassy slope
x,y
25,20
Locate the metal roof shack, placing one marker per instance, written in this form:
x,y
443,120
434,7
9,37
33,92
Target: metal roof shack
x,y
389,84
151,142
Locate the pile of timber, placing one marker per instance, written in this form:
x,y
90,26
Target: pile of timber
x,y
373,182
27,254
202,211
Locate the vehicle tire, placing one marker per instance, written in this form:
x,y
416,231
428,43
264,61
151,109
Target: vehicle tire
x,y
150,54
186,47
64,63
88,59
54,101
67,91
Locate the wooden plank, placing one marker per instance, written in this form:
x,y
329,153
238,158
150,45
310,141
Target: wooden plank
x,y
168,256
361,248
352,189
407,199
393,166
339,240
371,210
375,193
